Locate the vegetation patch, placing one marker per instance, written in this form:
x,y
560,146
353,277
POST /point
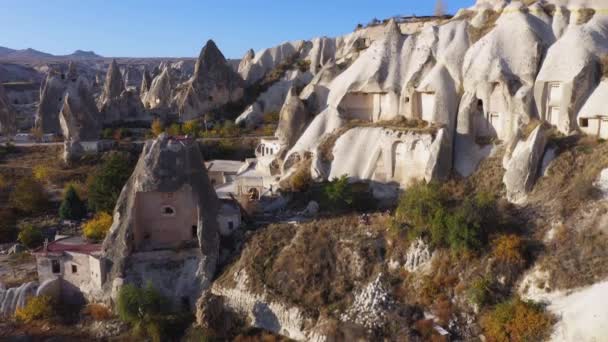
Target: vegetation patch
x,y
516,320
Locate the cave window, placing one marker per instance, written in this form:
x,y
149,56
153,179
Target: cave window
x,y
74,269
63,76
185,303
480,105
194,231
55,268
230,225
16,102
407,99
210,98
59,99
584,122
168,211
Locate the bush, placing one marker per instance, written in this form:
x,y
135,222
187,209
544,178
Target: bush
x,y
192,128
37,308
480,292
144,308
516,320
463,227
42,173
107,133
72,207
106,183
229,130
157,127
28,196
30,236
271,117
97,228
175,129
98,312
509,249
338,193
8,226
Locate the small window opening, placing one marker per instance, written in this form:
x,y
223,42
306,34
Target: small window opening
x,y
230,225
480,104
210,98
63,76
185,303
168,211
74,269
60,99
55,268
584,122
194,231
16,102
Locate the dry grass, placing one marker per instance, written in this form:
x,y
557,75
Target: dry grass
x,y
576,258
476,33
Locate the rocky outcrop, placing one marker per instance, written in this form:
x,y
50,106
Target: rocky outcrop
x,y
159,95
213,84
117,103
166,165
293,119
14,298
78,118
253,67
523,167
51,100
273,98
146,82
8,125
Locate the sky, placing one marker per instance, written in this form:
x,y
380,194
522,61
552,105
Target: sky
x,y
179,28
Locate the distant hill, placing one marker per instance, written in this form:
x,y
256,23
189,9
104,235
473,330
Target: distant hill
x,y
80,54
8,54
5,51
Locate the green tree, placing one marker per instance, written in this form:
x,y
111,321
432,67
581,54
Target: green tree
x,y
72,207
338,193
144,308
30,236
106,183
28,196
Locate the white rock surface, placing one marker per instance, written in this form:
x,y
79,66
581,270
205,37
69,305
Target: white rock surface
x,y
602,183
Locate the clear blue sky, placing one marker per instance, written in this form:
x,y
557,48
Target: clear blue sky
x,y
155,28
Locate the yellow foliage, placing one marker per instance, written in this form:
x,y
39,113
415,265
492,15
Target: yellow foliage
x,y
42,173
516,320
3,182
509,249
37,308
157,127
191,127
97,228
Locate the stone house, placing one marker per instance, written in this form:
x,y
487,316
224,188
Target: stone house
x,y
593,116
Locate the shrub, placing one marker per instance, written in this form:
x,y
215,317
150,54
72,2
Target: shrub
x,y
98,312
229,130
37,308
464,227
107,133
516,320
105,184
8,226
144,308
30,236
28,196
72,207
480,292
509,249
157,127
192,128
175,129
97,228
42,173
338,193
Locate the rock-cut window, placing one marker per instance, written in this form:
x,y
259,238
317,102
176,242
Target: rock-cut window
x,y
167,211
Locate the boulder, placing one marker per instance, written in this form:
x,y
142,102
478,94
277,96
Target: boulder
x,y
166,166
293,119
523,167
213,84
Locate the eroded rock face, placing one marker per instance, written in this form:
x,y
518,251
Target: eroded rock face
x,y
159,95
146,82
8,123
51,100
118,103
213,84
523,167
166,166
293,119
